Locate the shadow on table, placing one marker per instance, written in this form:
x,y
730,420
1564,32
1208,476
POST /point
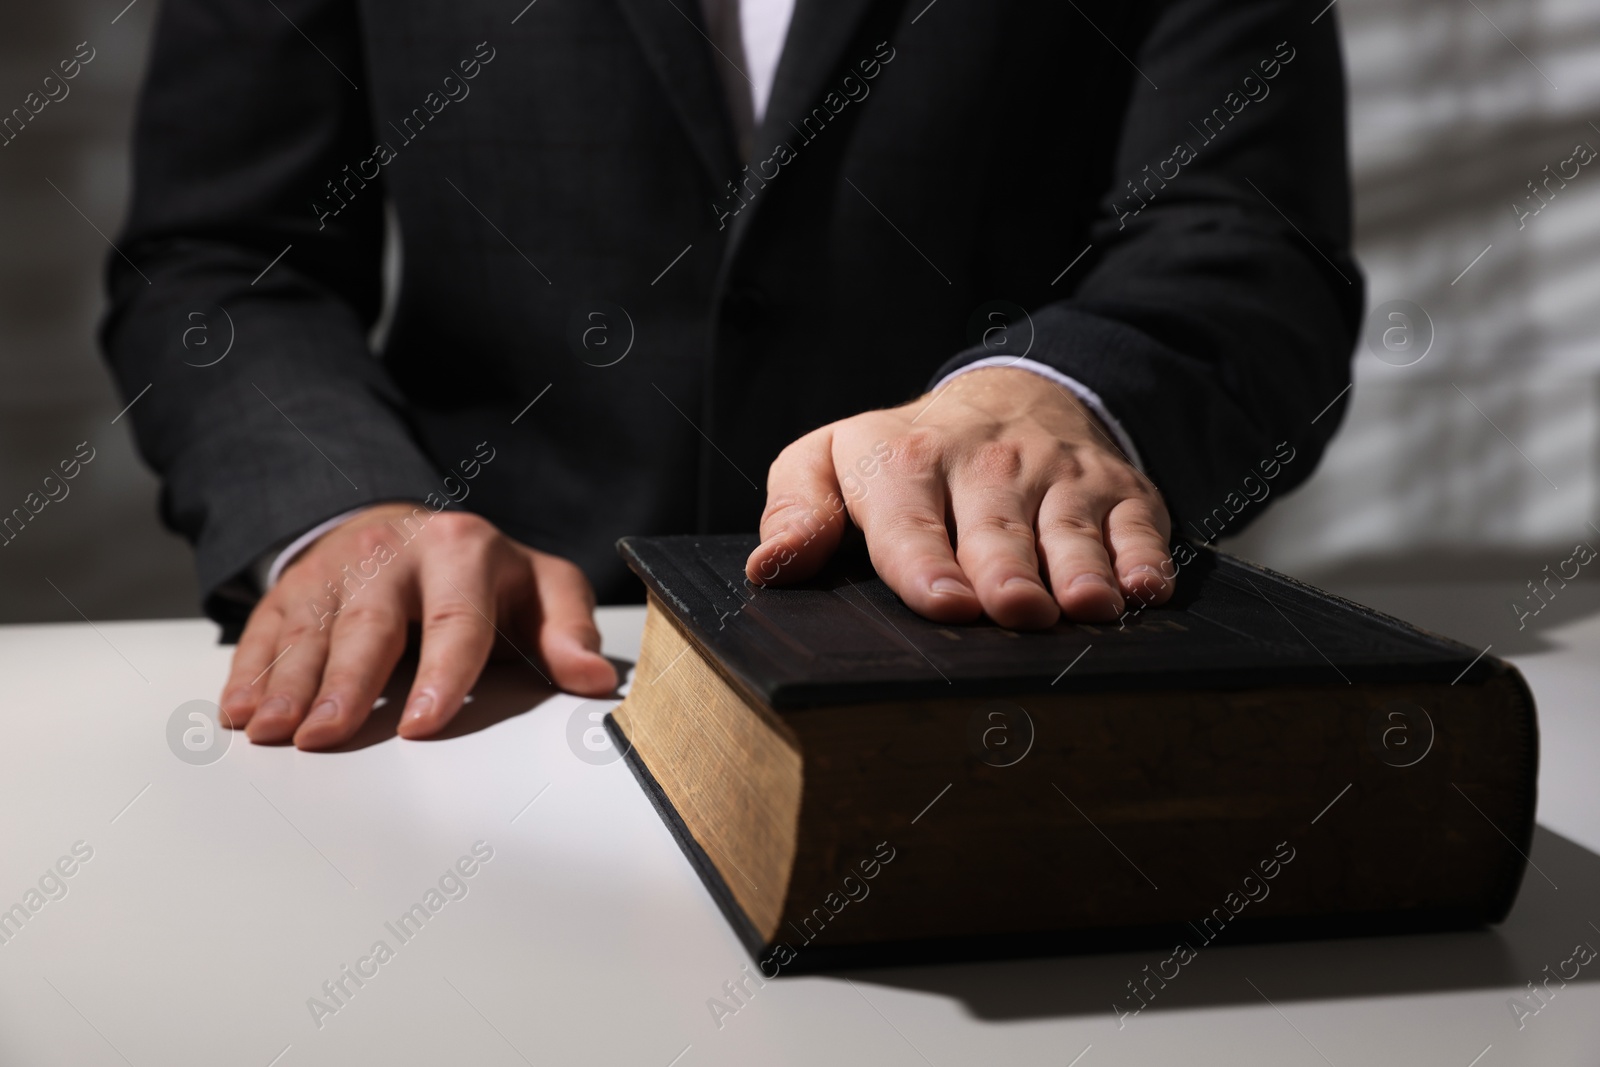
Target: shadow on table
x,y
1542,929
506,689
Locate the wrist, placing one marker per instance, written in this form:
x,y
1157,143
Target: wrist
x,y
1010,393
296,550
1107,428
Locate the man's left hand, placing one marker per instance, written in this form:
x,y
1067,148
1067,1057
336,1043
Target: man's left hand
x,y
1001,495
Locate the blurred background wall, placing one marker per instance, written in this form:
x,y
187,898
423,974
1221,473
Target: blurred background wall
x,y
1477,461
63,184
1469,447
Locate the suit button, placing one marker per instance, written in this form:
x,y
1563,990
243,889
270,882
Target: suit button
x,y
744,306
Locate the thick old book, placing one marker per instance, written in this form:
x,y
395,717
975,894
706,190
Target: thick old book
x,y
857,785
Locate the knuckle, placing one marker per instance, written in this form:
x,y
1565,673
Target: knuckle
x,y
1137,537
299,632
373,616
913,452
1070,524
795,515
781,508
452,615
461,528
1007,526
913,521
996,461
1143,509
369,538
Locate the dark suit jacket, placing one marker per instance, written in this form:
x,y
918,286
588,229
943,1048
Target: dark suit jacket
x,y
576,160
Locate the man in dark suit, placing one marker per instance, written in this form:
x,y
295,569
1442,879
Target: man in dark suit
x,y
1010,287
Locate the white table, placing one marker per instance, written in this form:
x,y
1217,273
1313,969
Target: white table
x,y
220,897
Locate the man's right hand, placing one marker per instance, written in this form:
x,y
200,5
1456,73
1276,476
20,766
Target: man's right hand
x,y
321,644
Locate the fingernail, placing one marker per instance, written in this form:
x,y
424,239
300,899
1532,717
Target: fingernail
x,y
1145,570
236,697
1019,582
274,707
950,587
1089,578
324,711
419,706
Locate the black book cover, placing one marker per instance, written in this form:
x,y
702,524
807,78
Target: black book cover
x,y
844,637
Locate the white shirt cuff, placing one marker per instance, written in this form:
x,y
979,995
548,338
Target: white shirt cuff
x,y
270,565
1089,397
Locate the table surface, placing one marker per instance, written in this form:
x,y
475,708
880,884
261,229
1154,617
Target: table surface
x,y
208,904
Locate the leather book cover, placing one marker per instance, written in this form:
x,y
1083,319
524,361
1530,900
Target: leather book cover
x,y
844,638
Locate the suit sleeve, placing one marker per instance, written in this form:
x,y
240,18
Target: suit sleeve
x,y
1218,306
248,111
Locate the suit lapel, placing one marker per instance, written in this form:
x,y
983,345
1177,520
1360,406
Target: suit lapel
x,y
672,35
819,33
